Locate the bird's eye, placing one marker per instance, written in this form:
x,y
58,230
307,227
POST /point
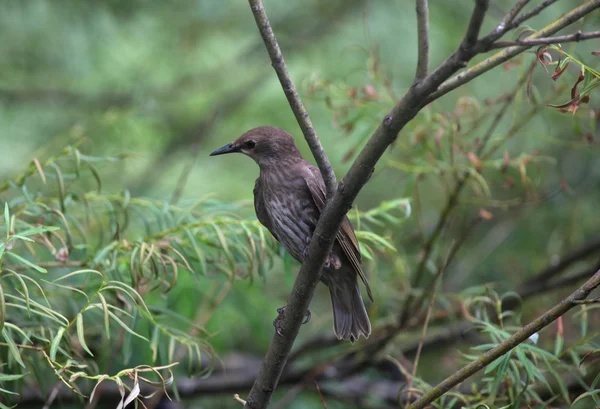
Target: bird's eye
x,y
250,144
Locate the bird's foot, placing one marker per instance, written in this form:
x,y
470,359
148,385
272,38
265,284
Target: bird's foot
x,y
280,313
305,250
333,261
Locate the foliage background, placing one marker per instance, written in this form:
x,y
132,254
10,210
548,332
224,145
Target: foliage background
x,y
168,82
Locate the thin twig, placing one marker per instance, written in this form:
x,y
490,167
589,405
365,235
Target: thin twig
x,y
508,53
266,32
579,36
475,24
186,171
534,12
436,280
505,23
519,337
588,248
338,205
423,33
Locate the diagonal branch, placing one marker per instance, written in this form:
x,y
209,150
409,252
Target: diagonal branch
x,y
475,24
266,32
521,336
506,23
532,13
423,33
579,36
419,94
508,53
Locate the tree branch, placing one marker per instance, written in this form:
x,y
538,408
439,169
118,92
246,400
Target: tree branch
x,y
521,336
579,36
475,24
534,12
587,249
337,206
266,32
505,24
508,53
423,33
341,202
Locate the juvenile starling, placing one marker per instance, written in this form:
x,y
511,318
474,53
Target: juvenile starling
x,y
289,196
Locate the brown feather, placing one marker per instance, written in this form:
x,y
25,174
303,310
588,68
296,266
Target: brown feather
x,y
345,236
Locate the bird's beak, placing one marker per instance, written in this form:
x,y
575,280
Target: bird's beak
x,y
229,148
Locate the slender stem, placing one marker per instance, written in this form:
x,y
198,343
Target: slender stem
x,y
579,36
337,207
505,23
534,12
435,281
521,336
423,34
475,24
300,112
508,53
419,94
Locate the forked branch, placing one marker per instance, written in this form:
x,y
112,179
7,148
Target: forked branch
x,y
576,298
300,112
423,35
423,91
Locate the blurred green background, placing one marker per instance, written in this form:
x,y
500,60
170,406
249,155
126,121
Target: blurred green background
x,y
170,81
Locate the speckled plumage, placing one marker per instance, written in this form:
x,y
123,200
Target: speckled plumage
x,y
289,196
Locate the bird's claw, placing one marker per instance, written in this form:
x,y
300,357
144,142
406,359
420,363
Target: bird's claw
x,y
280,313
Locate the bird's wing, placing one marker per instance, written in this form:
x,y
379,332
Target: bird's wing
x,y
261,211
345,235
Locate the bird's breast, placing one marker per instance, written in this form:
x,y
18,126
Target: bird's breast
x,y
293,215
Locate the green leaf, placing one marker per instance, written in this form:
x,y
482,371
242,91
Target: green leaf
x,y
106,318
3,406
56,343
26,262
7,220
12,347
10,377
37,230
80,334
126,327
2,308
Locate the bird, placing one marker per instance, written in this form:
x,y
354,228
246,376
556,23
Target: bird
x,y
289,196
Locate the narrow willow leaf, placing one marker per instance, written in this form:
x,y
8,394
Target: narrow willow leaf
x,y
154,342
26,262
126,327
11,377
56,343
25,290
106,318
16,237
78,272
3,406
80,334
103,377
12,347
37,230
2,308
7,220
61,186
133,394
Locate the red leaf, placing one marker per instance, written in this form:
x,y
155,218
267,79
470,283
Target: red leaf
x,y
559,71
576,99
475,161
485,214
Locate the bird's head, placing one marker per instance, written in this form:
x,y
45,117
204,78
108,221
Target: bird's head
x,y
267,145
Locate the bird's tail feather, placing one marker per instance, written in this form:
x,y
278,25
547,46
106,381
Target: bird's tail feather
x,y
350,319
